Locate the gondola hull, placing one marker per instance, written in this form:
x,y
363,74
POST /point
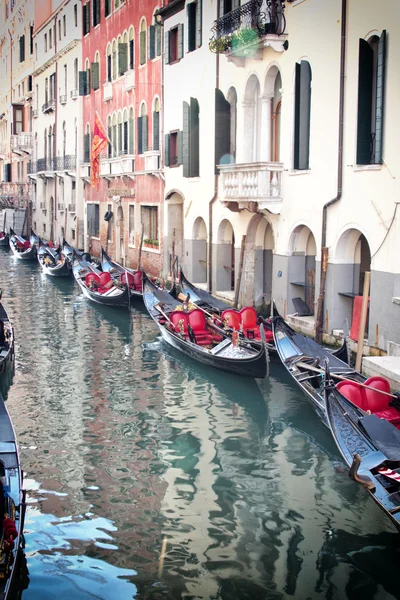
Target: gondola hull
x,y
114,297
349,430
112,267
4,241
61,270
29,254
7,347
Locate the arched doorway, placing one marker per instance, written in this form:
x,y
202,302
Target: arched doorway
x,y
301,271
225,263
119,236
258,263
175,230
199,251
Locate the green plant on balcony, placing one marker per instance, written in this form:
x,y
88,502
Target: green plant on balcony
x,y
220,45
234,42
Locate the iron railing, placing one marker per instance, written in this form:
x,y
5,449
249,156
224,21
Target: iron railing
x,y
70,162
49,106
44,164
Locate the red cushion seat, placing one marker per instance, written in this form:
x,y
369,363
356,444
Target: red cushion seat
x,y
104,278
232,317
374,400
353,392
178,315
91,277
390,414
138,280
128,276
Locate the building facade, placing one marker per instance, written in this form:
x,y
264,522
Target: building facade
x,y
121,83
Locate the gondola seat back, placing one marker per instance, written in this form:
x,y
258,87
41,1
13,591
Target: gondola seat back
x,y
251,329
198,323
128,276
138,281
91,277
378,403
231,318
178,315
104,278
353,392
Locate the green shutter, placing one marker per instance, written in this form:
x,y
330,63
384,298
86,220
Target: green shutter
x,y
296,148
166,48
86,147
131,151
140,136
87,17
82,83
199,23
88,81
166,149
22,48
94,13
145,127
109,133
305,114
95,76
194,156
191,26
186,140
122,58
380,98
119,139
222,129
98,12
180,41
180,147
142,47
158,40
152,42
156,130
365,76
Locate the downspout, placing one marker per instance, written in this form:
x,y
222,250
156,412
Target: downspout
x,y
324,248
214,198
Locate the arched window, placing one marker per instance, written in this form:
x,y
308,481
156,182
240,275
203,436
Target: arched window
x,y
86,144
125,133
64,139
142,130
131,130
131,50
109,63
232,99
114,134
156,125
50,146
45,148
114,60
143,42
119,134
302,114
109,133
87,69
116,4
96,72
76,76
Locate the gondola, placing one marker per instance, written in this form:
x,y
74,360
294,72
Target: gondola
x,y
12,504
92,283
69,250
304,360
191,333
6,338
21,247
4,239
371,448
134,278
201,297
52,262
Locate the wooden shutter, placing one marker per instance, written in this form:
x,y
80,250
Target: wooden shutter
x,y
106,7
180,147
97,12
380,98
88,81
222,129
296,117
22,48
94,13
131,150
199,23
122,58
145,126
142,47
86,147
365,76
109,133
86,18
82,83
152,42
166,48
305,113
186,140
166,149
194,163
158,40
126,138
191,26
180,41
131,54
156,130
95,76
140,136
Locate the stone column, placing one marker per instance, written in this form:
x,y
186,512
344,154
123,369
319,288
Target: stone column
x,y
265,129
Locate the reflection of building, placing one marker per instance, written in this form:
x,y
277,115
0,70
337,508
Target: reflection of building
x,y
264,112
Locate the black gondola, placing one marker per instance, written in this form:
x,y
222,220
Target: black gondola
x,y
134,278
371,448
4,239
304,360
53,263
6,338
69,250
192,334
201,297
92,283
21,247
12,504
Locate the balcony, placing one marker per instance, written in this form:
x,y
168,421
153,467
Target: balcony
x,y
70,162
63,99
35,113
74,94
129,82
152,160
61,206
49,106
107,91
117,166
58,163
14,194
250,183
72,208
43,205
245,31
21,143
85,172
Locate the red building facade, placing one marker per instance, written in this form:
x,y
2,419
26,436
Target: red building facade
x,y
121,81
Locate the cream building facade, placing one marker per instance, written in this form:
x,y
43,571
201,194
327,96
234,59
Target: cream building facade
x,y
303,129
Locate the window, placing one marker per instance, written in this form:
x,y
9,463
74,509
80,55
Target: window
x,y
154,41
371,88
125,133
119,134
84,80
86,145
190,139
302,113
194,22
31,39
131,50
22,48
122,56
114,135
142,130
114,60
173,149
65,80
174,44
150,223
143,42
107,7
52,88
109,228
64,25
131,224
109,63
72,234
50,39
109,133
131,129
76,15
96,72
17,120
45,42
93,220
30,83
86,18
116,4
156,125
76,76
96,12
59,30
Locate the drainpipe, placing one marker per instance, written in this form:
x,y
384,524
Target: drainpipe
x,y
214,198
324,249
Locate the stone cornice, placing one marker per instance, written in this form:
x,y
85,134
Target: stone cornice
x,y
55,58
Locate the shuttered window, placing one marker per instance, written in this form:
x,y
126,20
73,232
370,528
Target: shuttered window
x,y
95,75
119,139
7,172
93,220
156,130
190,139
173,146
302,116
186,140
191,29
145,133
22,48
125,138
131,147
142,47
83,91
140,136
152,42
131,54
96,12
158,40
86,18
109,133
174,44
222,128
86,148
122,58
131,224
107,7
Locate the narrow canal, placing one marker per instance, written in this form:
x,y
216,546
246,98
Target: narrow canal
x,y
130,449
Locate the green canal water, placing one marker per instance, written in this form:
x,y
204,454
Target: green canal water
x,y
151,477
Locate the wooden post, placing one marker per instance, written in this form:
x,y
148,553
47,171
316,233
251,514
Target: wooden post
x,y
363,320
140,249
173,256
239,277
320,303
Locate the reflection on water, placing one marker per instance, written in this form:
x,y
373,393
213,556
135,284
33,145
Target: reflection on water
x,y
152,477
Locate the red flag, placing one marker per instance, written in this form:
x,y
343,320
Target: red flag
x,y
99,143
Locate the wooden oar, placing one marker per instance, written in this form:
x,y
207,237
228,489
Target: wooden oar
x,y
320,371
184,298
160,310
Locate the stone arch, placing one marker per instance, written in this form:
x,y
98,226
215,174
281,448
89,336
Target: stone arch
x,y
352,248
175,223
199,251
225,255
252,119
271,114
257,277
302,270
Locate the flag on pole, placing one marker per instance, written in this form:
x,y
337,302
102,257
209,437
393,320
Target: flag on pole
x,y
99,143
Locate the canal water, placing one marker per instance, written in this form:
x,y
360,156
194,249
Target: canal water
x,y
152,477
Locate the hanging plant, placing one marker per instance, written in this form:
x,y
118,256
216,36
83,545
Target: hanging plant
x,y
220,45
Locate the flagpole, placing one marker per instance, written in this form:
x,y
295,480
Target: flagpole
x,y
109,141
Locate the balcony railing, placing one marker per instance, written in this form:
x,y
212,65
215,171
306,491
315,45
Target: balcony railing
x,y
44,164
107,91
14,194
35,113
58,163
63,99
262,16
43,205
49,106
74,94
61,206
72,208
129,80
21,142
252,182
